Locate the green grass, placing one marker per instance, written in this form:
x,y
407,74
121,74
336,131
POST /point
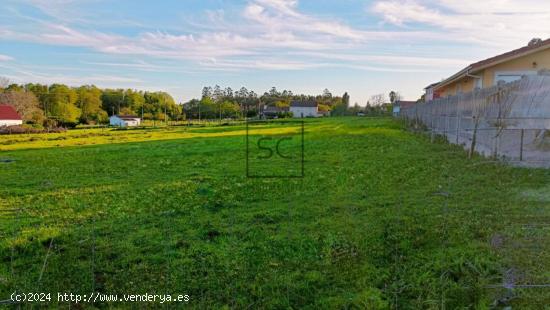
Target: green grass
x,y
382,219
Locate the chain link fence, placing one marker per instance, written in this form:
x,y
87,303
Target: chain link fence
x,y
509,121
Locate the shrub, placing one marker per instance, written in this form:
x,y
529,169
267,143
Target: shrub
x,y
19,129
285,115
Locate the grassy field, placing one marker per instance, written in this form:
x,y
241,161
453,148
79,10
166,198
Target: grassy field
x,y
382,219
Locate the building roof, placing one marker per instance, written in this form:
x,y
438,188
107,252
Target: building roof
x,y
533,47
404,103
7,112
274,109
431,85
128,117
303,104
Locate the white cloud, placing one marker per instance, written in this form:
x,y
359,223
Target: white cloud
x,y
269,28
280,35
264,64
102,80
141,66
399,12
5,58
391,60
283,16
497,23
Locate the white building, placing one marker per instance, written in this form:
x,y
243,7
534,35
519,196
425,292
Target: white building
x,y
304,109
9,117
124,120
430,92
401,104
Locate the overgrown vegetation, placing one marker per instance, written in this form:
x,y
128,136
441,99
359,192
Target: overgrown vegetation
x,y
382,219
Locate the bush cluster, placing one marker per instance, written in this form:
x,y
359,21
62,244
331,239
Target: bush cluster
x,y
18,129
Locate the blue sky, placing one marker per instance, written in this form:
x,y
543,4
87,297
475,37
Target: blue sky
x,y
179,46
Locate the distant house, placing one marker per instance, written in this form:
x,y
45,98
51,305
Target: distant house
x,y
124,120
272,111
431,93
507,67
304,109
401,104
9,117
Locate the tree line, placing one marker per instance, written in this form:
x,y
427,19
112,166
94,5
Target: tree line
x,y
218,102
61,105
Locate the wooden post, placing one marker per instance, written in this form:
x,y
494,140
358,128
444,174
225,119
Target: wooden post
x,y
447,119
496,144
457,126
473,145
431,124
521,146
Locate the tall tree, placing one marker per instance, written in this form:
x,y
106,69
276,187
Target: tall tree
x,y
134,101
207,92
228,93
89,102
26,105
63,99
217,93
241,93
394,97
345,99
378,99
4,82
112,100
340,107
42,94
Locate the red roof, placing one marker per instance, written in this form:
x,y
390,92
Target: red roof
x,y
405,104
7,112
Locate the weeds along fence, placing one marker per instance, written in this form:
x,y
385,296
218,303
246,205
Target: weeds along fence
x,y
509,121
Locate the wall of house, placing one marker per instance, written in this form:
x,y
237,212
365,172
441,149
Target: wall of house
x,y
10,122
115,121
429,94
465,85
306,111
525,63
523,66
